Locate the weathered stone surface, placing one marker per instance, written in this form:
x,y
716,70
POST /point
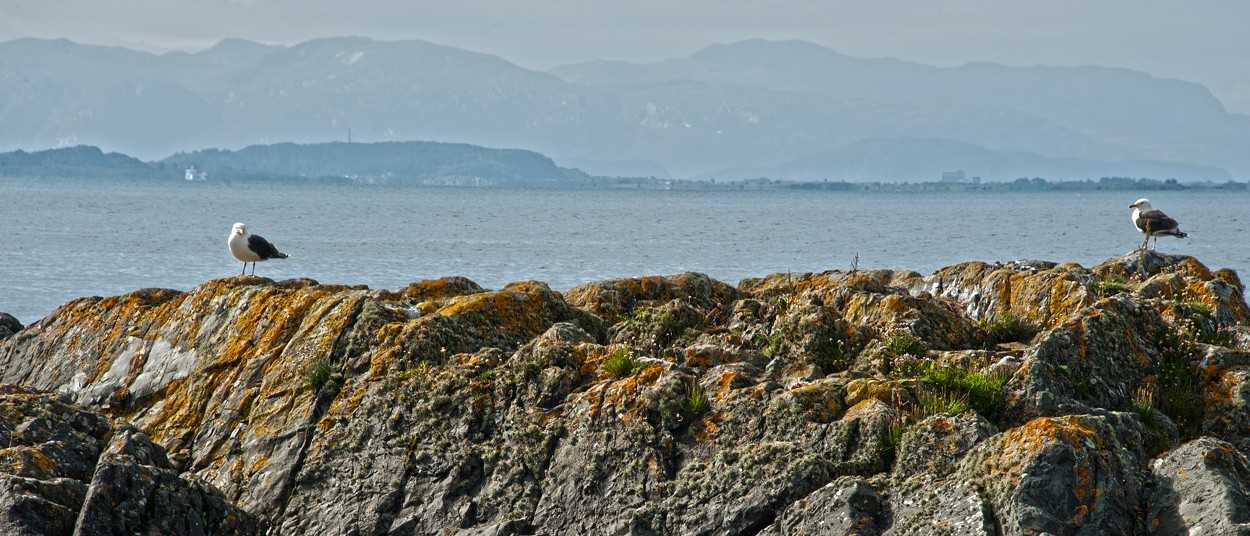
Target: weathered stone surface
x,y
1076,474
948,508
847,506
1203,487
71,471
617,298
1044,294
777,407
934,446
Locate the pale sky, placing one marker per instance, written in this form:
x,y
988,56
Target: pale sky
x,y
1203,41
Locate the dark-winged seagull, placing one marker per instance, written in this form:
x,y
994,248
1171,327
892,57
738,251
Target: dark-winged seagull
x,y
248,247
1151,222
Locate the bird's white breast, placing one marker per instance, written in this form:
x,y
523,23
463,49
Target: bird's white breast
x,y
238,248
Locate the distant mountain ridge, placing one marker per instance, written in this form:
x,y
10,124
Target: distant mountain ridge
x,y
793,109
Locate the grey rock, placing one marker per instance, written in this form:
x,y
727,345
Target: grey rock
x,y
848,506
1203,487
935,445
949,508
71,471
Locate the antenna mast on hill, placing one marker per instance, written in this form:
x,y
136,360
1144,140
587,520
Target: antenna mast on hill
x,y
349,134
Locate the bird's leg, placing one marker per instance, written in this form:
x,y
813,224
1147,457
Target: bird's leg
x,y
244,270
253,268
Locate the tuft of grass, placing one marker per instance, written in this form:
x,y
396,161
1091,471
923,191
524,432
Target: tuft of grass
x,y
1144,403
1178,395
621,363
1010,327
317,373
1111,285
941,401
833,357
694,403
485,375
981,392
632,318
893,432
900,342
1199,308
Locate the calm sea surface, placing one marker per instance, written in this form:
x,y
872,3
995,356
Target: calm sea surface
x,y
65,240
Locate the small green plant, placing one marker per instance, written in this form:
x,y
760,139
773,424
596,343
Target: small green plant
x,y
1178,396
893,432
1218,337
831,357
621,363
485,375
1199,308
1111,285
631,318
415,372
771,345
900,341
982,390
318,373
1010,327
908,366
941,401
1144,403
694,403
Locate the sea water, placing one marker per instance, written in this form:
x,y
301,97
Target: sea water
x,y
69,239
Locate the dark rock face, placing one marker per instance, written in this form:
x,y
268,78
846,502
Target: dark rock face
x,y
9,326
1016,398
71,471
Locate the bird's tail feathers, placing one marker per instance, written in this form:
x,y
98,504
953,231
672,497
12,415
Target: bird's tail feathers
x,y
280,255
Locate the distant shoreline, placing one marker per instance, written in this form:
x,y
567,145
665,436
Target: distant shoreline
x,y
656,184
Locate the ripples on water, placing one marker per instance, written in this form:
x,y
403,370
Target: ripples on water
x,y
72,239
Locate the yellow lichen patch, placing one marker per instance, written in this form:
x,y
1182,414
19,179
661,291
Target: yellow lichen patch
x,y
862,389
1008,458
614,298
432,290
27,462
818,401
868,409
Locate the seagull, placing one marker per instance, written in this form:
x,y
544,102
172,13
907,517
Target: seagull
x,y
251,248
1154,223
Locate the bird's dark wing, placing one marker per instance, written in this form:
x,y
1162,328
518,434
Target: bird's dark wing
x,y
1155,221
262,247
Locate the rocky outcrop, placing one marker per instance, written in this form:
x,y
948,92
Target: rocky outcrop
x,y
71,471
9,326
1015,398
1203,488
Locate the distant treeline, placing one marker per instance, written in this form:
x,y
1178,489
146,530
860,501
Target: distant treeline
x,y
404,163
1021,184
432,163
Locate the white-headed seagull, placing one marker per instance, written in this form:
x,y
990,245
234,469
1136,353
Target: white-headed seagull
x,y
248,247
1151,222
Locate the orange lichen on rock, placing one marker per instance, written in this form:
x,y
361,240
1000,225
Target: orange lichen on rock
x,y
614,298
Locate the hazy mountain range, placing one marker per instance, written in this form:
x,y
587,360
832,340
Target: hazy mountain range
x,y
784,110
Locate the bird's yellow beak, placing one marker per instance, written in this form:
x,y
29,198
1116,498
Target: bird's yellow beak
x,y
1134,205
